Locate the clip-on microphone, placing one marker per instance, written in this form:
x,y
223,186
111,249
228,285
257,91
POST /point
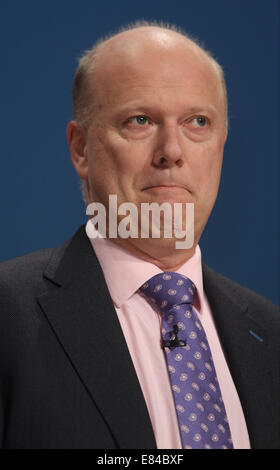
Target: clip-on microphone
x,y
174,342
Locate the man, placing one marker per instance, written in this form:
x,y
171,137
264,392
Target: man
x,y
83,363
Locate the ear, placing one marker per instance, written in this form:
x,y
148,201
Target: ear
x,y
226,135
76,137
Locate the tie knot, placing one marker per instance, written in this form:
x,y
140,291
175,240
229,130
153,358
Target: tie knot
x,y
168,289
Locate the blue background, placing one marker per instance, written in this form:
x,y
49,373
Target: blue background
x,y
41,205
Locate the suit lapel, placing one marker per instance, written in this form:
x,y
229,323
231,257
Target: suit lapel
x,y
80,311
246,346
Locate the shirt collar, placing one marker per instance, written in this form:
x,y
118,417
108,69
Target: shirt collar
x,y
125,273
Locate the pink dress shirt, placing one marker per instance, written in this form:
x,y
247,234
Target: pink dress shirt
x,y
124,274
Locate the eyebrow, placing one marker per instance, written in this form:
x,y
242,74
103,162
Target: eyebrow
x,y
197,109
144,108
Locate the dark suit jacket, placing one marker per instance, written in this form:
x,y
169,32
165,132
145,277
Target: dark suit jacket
x,y
66,376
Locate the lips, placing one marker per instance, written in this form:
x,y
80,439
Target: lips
x,y
166,187
167,193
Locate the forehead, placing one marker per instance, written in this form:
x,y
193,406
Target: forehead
x,y
143,62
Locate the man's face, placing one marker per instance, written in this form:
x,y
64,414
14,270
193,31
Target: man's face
x,y
158,130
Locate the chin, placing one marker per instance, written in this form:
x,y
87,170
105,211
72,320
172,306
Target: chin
x,y
163,247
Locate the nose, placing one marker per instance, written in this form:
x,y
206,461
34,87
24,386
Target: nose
x,y
168,151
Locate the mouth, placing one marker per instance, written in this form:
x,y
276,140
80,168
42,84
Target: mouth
x,y
166,187
167,193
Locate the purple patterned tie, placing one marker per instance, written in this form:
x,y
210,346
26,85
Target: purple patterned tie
x,y
197,396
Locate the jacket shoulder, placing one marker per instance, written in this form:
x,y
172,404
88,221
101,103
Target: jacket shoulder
x,y
25,277
262,308
23,270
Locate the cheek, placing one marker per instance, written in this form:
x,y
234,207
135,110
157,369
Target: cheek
x,y
101,173
114,165
125,159
208,170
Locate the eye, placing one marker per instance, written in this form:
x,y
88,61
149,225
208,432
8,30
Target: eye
x,y
138,126
141,120
199,121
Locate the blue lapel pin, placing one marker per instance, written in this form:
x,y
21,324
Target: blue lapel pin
x,y
256,336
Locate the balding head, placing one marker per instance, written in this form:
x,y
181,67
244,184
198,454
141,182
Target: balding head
x,y
123,50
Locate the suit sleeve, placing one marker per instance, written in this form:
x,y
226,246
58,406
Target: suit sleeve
x,y
8,348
